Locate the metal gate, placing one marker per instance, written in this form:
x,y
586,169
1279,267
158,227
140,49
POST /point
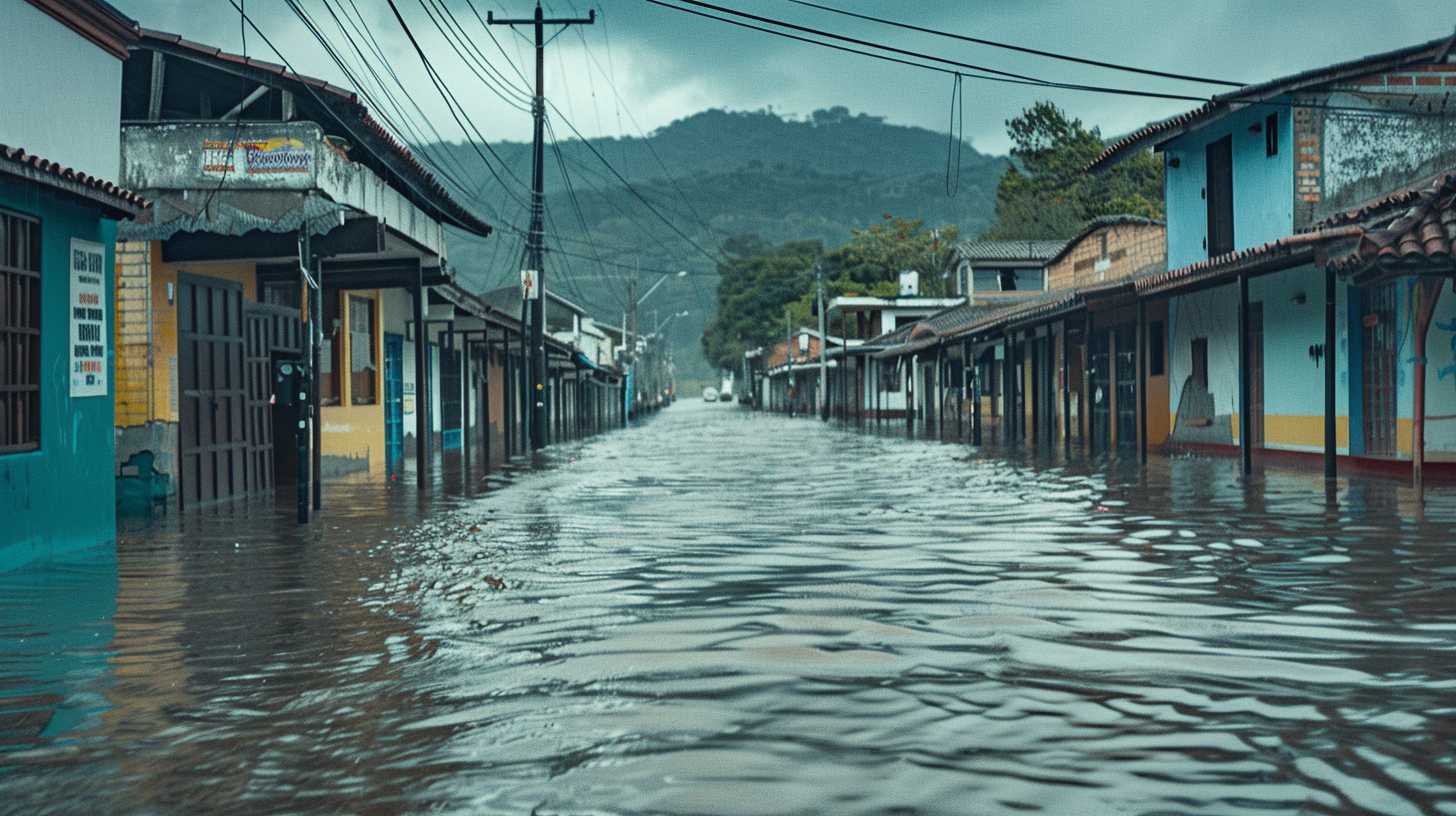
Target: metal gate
x,y
1127,386
393,402
1378,380
270,333
212,443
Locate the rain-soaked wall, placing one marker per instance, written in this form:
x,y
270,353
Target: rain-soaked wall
x,y
1293,309
61,497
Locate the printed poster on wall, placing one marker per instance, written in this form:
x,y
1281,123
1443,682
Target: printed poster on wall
x,y
88,319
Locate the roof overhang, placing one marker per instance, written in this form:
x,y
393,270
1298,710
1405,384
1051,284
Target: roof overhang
x,y
113,201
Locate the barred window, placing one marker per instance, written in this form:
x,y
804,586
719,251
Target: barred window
x,y
19,333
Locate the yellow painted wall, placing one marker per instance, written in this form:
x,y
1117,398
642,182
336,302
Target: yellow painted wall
x,y
357,431
133,332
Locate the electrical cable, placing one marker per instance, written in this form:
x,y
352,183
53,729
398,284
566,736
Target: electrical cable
x,y
1022,49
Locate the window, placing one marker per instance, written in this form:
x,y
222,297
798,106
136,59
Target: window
x,y
1103,238
362,367
19,333
329,352
986,280
1200,362
1155,348
1029,280
282,293
1271,135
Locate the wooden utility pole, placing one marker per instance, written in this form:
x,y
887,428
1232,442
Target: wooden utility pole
x,y
535,240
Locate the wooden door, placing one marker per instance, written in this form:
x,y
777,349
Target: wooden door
x,y
1256,375
1378,327
270,333
1219,196
212,438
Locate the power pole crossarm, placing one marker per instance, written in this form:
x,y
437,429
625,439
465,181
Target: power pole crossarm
x,y
535,240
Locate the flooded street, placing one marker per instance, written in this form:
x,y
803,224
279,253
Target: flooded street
x,y
728,612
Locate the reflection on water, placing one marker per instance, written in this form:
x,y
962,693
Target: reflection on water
x,y
721,612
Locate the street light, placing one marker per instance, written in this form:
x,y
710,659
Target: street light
x,y
668,319
660,281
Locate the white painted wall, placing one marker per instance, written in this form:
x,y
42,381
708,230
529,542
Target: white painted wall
x,y
63,93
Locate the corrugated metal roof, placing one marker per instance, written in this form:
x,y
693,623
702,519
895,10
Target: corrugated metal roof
x,y
435,196
1019,250
118,200
233,213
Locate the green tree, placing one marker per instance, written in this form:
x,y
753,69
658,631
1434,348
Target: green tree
x,y
1047,193
760,281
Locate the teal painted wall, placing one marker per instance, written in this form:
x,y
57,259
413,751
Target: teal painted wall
x,y
61,499
1263,185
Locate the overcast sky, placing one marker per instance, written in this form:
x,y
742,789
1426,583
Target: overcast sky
x,y
666,64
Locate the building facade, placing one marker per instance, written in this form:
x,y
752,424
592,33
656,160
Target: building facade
x,y
57,226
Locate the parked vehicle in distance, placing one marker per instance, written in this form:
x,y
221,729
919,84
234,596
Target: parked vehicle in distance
x,y
710,394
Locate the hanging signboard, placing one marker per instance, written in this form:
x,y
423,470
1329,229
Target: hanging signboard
x,y
88,319
530,284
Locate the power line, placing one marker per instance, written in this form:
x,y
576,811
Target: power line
x,y
1013,79
1021,48
994,74
451,102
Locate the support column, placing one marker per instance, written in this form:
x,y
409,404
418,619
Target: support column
x,y
1428,294
317,336
965,391
508,405
1329,357
939,413
1246,449
975,403
1084,409
1008,399
1142,380
422,393
1066,385
485,429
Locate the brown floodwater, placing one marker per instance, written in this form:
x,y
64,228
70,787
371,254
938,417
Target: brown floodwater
x,y
733,613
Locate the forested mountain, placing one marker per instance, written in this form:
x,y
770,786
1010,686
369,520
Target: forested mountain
x,y
713,176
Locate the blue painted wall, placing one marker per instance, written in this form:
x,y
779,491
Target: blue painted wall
x,y
61,498
1263,185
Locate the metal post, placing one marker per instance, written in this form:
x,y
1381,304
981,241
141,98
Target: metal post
x,y
1084,409
1066,385
485,428
1329,362
975,404
1246,450
317,401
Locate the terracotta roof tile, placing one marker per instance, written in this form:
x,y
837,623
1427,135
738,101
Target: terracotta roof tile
x,y
107,192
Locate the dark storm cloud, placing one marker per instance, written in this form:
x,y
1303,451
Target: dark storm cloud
x,y
667,64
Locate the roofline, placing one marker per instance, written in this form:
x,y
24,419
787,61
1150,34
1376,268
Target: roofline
x,y
116,201
1105,222
1221,104
424,189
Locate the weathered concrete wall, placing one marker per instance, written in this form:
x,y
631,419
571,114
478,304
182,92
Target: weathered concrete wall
x,y
67,115
1348,156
